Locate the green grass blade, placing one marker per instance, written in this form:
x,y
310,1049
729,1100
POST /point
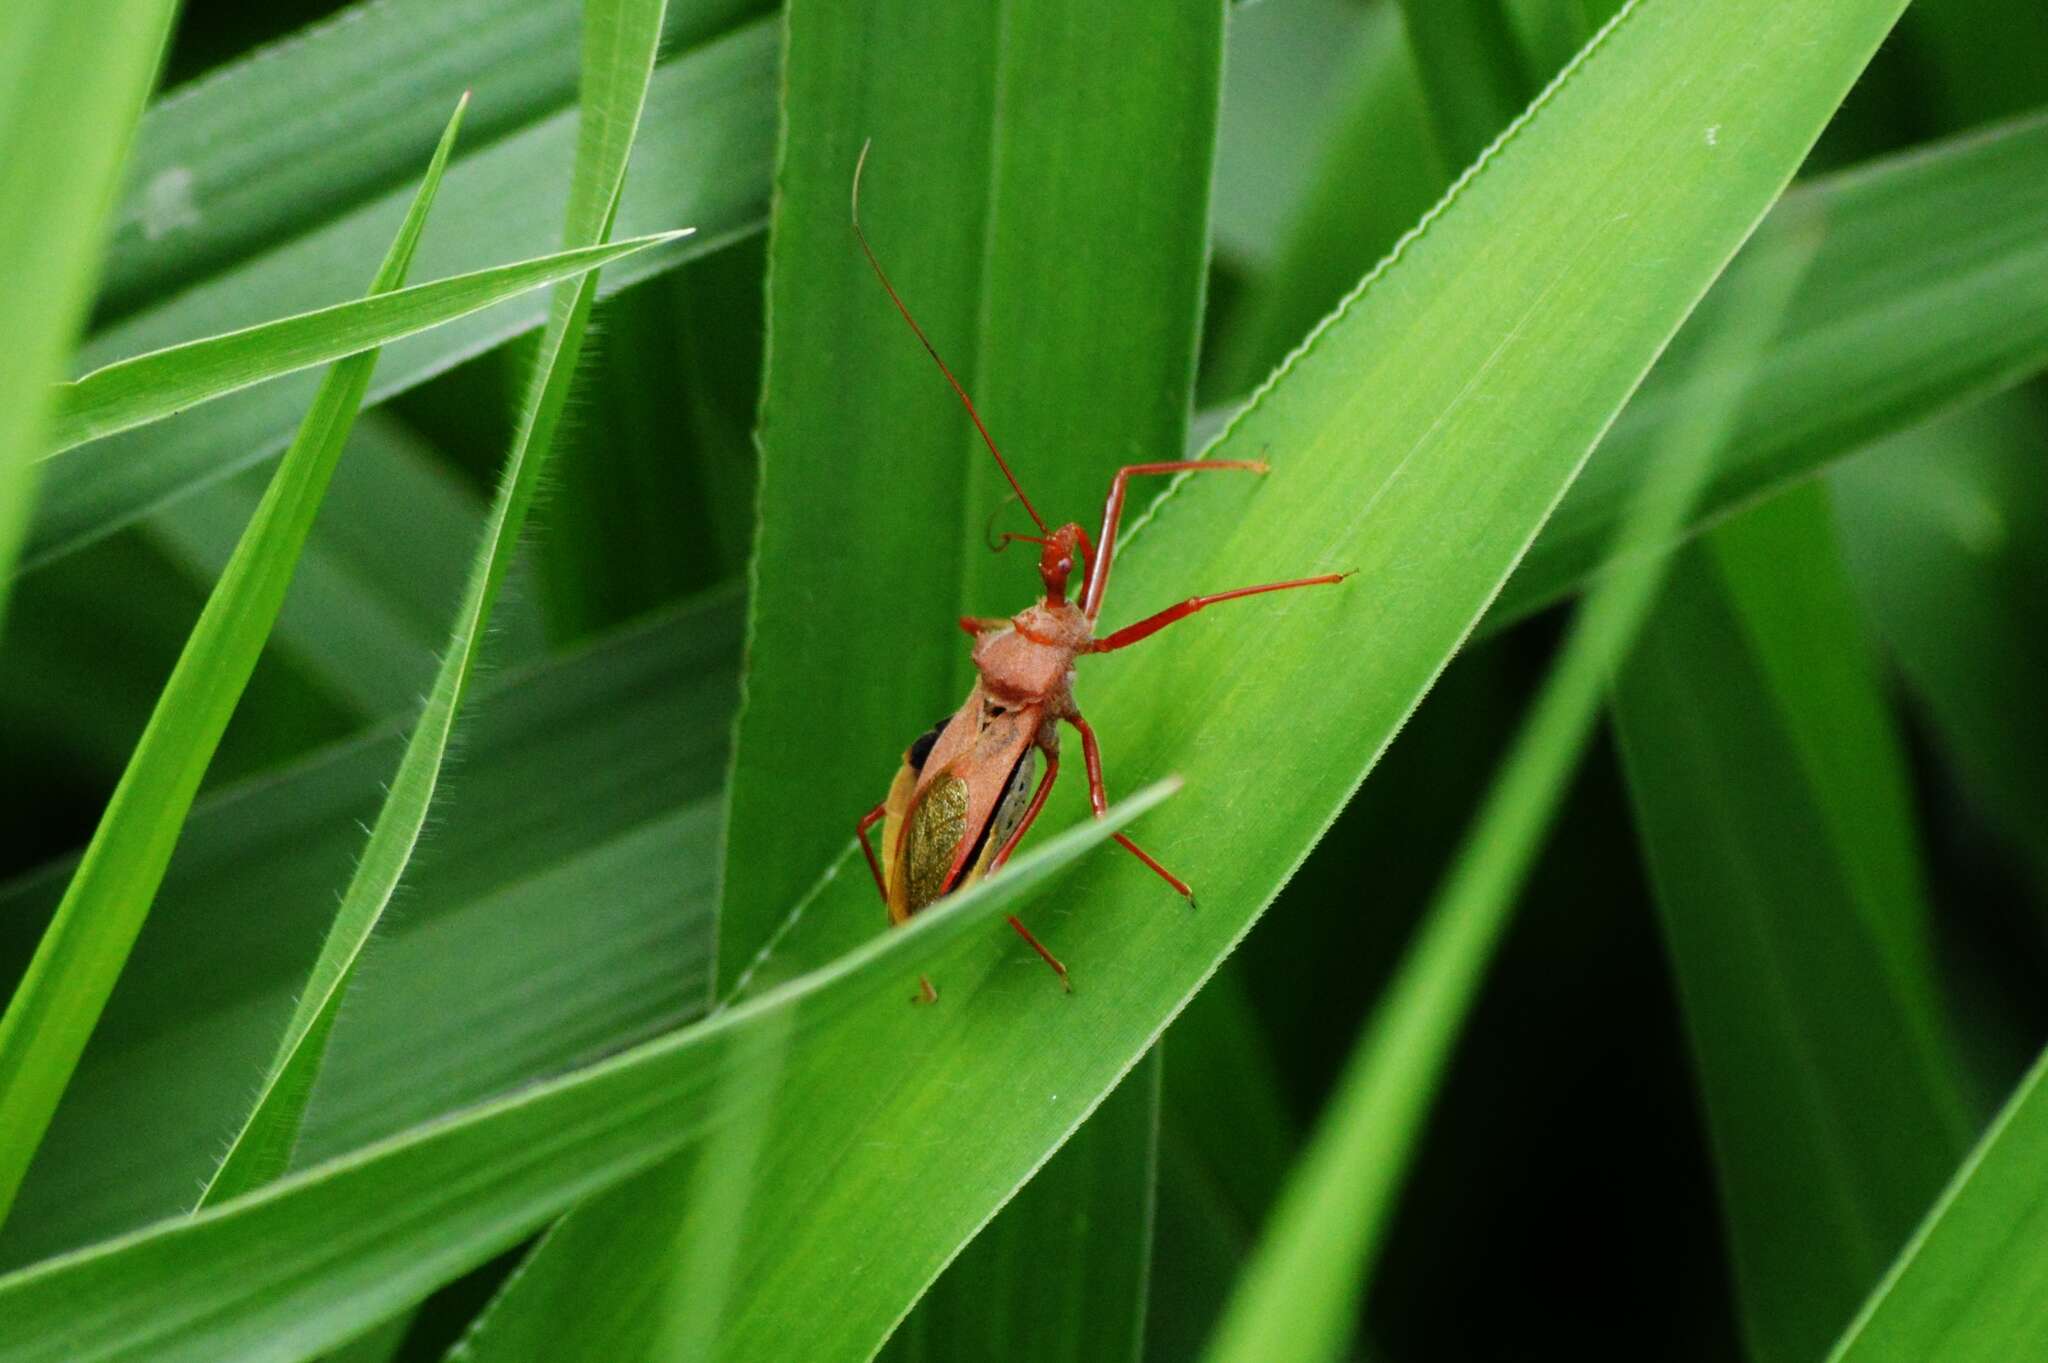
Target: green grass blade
x,y
592,780
244,159
1945,535
1298,1299
58,1002
1471,70
1060,1275
619,42
1773,809
1930,292
688,1210
704,160
1968,1287
72,82
150,387
494,1174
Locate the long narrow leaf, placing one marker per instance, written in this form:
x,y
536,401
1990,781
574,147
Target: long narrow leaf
x,y
1969,1286
59,1000
264,1263
364,618
619,41
1298,1298
246,159
705,161
146,388
72,81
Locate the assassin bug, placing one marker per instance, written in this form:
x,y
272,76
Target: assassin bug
x,y
963,798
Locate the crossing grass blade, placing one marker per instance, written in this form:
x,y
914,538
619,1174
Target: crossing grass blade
x,y
58,1002
244,159
704,162
491,1175
364,618
146,388
619,38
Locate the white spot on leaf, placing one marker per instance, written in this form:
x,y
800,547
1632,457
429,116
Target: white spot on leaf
x,y
167,203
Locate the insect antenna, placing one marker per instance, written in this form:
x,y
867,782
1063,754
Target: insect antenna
x,y
929,348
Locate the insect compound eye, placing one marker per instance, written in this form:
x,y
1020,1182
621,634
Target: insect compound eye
x,y
1066,565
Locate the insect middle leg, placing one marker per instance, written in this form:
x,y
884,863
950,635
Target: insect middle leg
x,y
1099,799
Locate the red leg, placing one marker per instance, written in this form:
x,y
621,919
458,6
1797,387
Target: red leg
x,y
1113,511
1043,954
860,830
1099,798
978,625
1052,769
1152,624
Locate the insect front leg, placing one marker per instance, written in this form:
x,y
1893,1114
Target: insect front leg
x,y
1113,512
1091,754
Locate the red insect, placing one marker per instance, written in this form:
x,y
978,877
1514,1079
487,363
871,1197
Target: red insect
x,y
963,798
